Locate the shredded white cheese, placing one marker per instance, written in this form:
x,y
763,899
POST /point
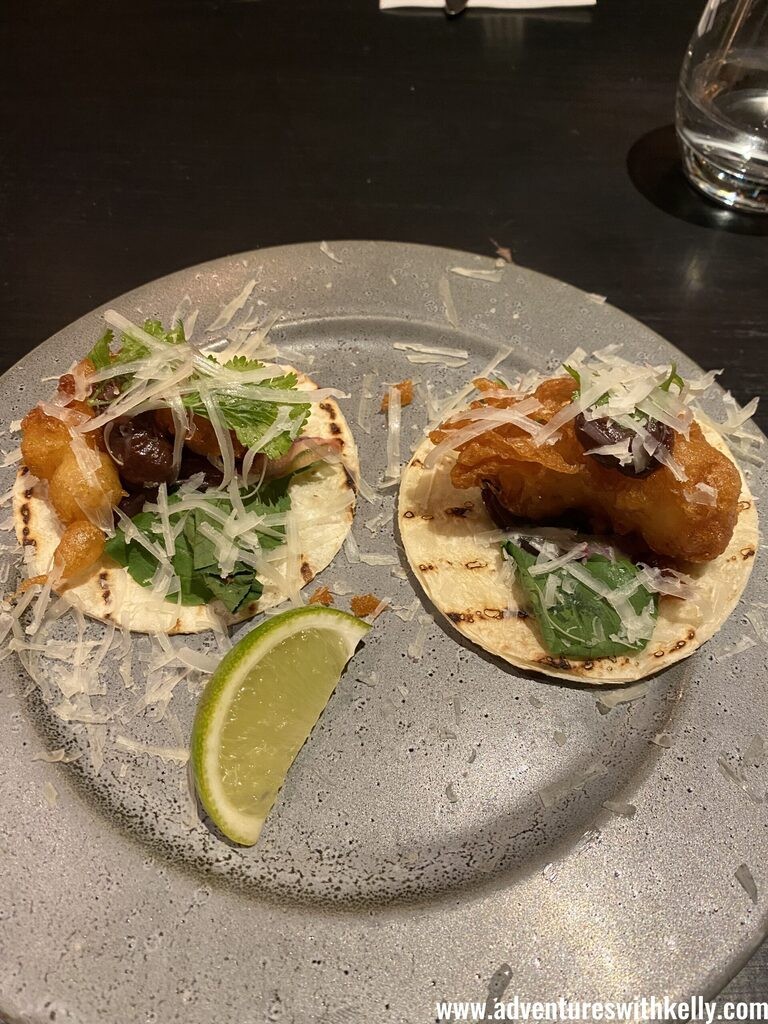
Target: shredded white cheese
x,y
179,755
746,643
351,550
365,406
374,558
416,646
326,250
444,289
746,880
482,421
392,472
431,350
228,311
477,274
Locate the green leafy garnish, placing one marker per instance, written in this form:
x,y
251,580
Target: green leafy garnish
x,y
130,350
673,378
581,623
100,354
575,374
577,377
194,560
175,336
251,418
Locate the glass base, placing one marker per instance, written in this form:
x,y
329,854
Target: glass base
x,y
724,187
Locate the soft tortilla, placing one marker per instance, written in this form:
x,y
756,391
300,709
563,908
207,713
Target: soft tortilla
x,y
469,582
109,593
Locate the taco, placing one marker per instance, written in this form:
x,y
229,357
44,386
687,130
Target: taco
x,y
591,526
170,489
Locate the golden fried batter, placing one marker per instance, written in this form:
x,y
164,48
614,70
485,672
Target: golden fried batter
x,y
74,495
545,481
45,439
80,546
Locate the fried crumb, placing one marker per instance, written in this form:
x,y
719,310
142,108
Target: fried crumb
x,y
322,596
364,604
502,251
405,387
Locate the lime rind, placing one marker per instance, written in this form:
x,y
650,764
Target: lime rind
x,y
222,690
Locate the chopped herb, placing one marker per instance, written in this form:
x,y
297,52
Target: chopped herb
x,y
673,378
100,355
573,373
581,623
249,418
577,377
130,350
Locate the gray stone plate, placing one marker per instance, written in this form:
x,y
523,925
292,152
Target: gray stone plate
x,y
409,857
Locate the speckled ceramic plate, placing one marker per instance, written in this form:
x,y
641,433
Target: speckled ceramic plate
x,y
410,856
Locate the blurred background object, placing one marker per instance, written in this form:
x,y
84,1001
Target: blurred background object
x,y
722,104
457,6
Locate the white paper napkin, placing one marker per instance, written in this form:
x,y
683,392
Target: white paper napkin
x,y
498,5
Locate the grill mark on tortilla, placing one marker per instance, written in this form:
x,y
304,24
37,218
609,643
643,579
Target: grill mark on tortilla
x,y
560,662
460,616
747,553
335,428
408,514
306,572
460,510
426,566
484,615
24,511
327,407
744,505
476,564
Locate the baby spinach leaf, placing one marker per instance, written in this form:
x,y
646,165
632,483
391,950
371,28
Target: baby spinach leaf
x,y
194,560
581,623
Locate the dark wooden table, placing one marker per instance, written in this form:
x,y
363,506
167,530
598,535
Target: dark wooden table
x,y
141,137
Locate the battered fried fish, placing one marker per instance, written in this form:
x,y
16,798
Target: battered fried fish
x,y
546,481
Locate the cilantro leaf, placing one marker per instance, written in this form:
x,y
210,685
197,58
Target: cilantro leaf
x,y
251,418
100,354
575,374
131,349
581,623
175,336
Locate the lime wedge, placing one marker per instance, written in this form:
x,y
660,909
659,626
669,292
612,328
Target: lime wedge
x,y
258,709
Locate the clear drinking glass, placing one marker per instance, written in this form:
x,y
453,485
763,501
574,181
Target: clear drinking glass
x,y
722,104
